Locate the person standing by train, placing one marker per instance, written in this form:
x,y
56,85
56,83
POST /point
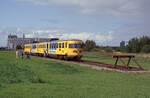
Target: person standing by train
x,y
17,54
22,54
28,56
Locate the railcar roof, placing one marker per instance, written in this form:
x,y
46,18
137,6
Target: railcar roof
x,y
55,41
67,40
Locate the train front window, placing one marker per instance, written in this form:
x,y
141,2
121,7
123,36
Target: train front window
x,y
75,46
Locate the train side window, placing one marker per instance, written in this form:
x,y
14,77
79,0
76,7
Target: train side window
x,y
56,45
52,45
62,45
59,45
66,45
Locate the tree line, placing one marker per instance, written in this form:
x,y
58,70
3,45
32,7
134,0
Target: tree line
x,y
138,45
135,45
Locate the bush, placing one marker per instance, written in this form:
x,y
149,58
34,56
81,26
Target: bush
x,y
136,45
108,49
89,45
96,49
146,49
18,47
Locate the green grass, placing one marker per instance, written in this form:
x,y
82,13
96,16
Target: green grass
x,y
37,78
100,57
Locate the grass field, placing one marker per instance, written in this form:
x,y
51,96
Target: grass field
x,y
36,78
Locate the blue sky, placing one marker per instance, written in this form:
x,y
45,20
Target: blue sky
x,y
106,21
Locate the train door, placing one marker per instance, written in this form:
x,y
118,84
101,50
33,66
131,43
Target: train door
x,y
62,48
54,48
56,45
65,48
47,48
33,48
59,48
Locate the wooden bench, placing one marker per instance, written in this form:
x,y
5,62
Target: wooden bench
x,y
131,57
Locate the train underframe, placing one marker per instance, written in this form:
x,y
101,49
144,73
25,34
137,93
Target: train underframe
x,y
62,57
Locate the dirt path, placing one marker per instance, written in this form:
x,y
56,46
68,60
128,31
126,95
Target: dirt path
x,y
94,66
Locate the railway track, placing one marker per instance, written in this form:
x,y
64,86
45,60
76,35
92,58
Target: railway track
x,y
101,66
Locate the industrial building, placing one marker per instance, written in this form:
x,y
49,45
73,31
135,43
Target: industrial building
x,y
13,41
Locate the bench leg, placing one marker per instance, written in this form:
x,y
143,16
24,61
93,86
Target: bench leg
x,y
137,63
116,62
128,61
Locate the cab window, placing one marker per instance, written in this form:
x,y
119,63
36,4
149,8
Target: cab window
x,y
75,46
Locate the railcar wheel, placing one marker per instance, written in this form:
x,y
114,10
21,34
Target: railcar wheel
x,y
77,59
61,57
66,58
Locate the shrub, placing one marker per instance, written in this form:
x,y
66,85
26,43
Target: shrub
x,y
146,49
137,45
89,45
18,47
108,49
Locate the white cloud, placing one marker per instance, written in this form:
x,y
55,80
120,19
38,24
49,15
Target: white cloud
x,y
100,39
87,11
48,31
107,38
35,2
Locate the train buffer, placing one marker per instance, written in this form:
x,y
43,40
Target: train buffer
x,y
130,57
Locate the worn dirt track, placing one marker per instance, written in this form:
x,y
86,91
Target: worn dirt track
x,y
101,66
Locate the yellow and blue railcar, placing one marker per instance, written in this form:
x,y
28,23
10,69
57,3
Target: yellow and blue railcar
x,y
63,49
66,49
